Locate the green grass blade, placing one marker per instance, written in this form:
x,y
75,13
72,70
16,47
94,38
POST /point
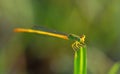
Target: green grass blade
x,y
115,68
80,66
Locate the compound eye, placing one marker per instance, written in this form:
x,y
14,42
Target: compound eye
x,y
82,37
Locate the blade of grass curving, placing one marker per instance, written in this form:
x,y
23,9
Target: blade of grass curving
x,y
80,66
115,68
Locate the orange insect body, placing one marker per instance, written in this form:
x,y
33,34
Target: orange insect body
x,y
40,32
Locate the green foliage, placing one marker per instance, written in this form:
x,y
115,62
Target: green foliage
x,y
80,61
115,68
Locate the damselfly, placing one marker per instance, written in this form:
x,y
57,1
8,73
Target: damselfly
x,y
79,40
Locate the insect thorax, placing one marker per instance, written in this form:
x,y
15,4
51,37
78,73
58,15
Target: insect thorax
x,y
74,37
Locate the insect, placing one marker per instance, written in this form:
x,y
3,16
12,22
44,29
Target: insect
x,y
79,40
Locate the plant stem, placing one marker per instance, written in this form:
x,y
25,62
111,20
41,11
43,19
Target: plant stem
x,y
80,66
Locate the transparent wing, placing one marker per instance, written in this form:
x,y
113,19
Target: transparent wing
x,y
37,27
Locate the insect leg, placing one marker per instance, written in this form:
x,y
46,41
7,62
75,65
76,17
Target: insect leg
x,y
76,45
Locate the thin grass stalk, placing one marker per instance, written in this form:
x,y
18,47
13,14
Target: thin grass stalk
x,y
80,61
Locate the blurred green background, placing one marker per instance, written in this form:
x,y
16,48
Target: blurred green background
x,y
27,53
